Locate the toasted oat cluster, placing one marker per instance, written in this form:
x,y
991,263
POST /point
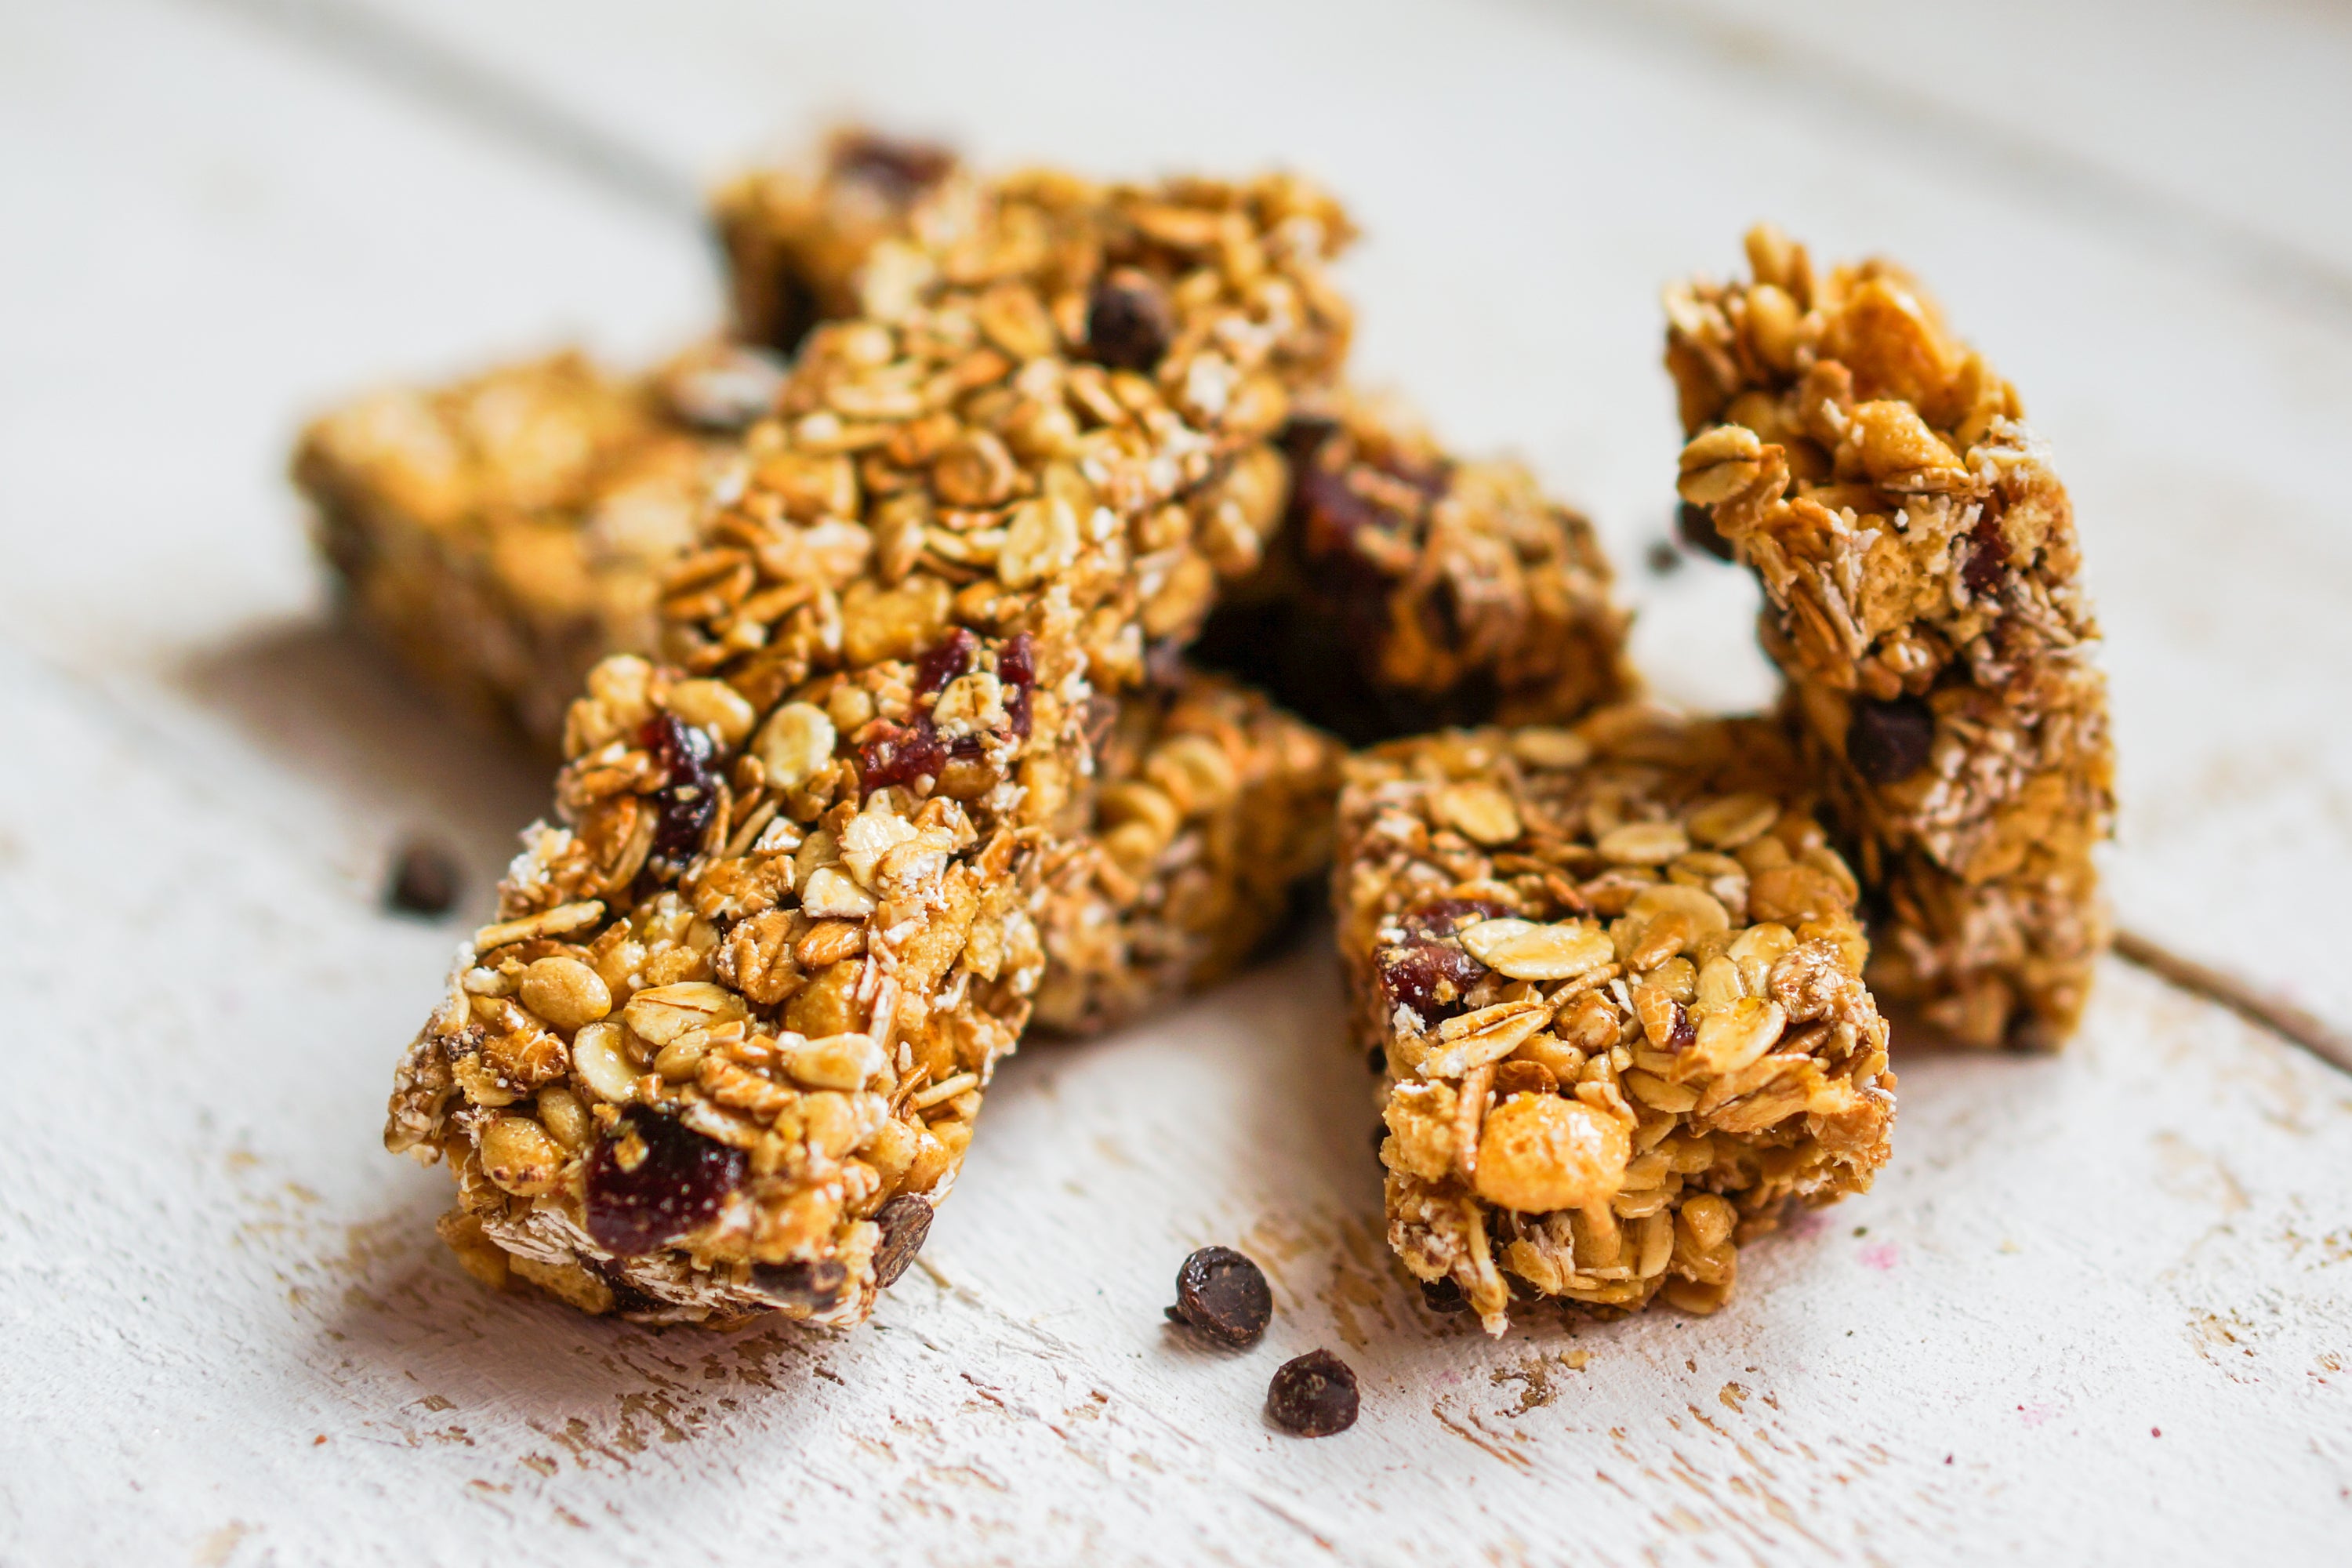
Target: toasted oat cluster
x,y
1211,813
504,533
1921,572
723,1051
1408,589
1614,975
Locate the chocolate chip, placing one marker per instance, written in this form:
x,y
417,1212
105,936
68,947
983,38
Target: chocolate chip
x,y
1888,741
1313,1396
906,1221
1129,322
423,880
1443,1296
655,1180
814,1286
1223,1295
899,170
1695,524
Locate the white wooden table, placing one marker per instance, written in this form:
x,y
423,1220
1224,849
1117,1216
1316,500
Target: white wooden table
x,y
2099,1307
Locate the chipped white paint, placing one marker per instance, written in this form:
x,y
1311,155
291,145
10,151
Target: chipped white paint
x,y
231,1339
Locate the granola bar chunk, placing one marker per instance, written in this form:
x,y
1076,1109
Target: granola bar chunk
x,y
1212,810
1614,974
1410,589
503,533
723,1051
1922,582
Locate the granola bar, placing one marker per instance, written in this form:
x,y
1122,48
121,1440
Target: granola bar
x,y
1409,590
502,534
1921,576
1405,588
723,1051
1212,813
1612,973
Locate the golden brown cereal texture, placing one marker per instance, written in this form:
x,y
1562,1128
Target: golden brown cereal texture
x,y
1614,974
1922,578
801,852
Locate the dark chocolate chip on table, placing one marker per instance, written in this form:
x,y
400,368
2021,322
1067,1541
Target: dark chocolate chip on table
x,y
1889,741
1313,1396
423,880
1221,1294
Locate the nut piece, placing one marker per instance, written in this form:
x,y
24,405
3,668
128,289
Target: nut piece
x,y
1540,1152
518,1155
797,739
1225,1296
565,991
603,1063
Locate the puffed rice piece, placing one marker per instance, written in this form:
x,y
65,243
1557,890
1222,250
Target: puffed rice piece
x,y
1923,585
1613,976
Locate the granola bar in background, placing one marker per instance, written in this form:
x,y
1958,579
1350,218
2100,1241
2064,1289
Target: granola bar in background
x,y
723,1051
1408,589
502,534
1614,974
1922,583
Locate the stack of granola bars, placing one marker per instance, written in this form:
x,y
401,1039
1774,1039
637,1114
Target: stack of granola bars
x,y
972,640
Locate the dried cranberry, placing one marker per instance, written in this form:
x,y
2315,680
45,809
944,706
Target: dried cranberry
x,y
899,170
1016,668
677,1183
1129,322
1695,524
1431,479
688,801
1685,1034
1988,552
1223,1295
1888,741
901,753
906,1222
1313,1396
947,659
1413,973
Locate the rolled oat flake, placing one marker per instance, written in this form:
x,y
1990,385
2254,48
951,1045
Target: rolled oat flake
x,y
1313,1396
1223,1295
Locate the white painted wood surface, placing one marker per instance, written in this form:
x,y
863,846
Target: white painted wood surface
x,y
231,1338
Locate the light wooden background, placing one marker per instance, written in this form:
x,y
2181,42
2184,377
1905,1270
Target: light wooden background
x,y
2095,1310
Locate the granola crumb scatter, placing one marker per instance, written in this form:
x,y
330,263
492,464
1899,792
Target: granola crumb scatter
x,y
1313,1395
1223,1296
1615,972
1408,589
424,878
1922,582
723,1050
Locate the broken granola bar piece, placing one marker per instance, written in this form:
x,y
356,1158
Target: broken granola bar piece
x,y
1922,597
723,1051
1410,589
502,534
1210,812
1616,976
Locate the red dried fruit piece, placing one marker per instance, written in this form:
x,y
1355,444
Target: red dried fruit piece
x,y
899,754
1016,667
1413,974
1988,559
1445,917
689,800
653,1181
947,659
